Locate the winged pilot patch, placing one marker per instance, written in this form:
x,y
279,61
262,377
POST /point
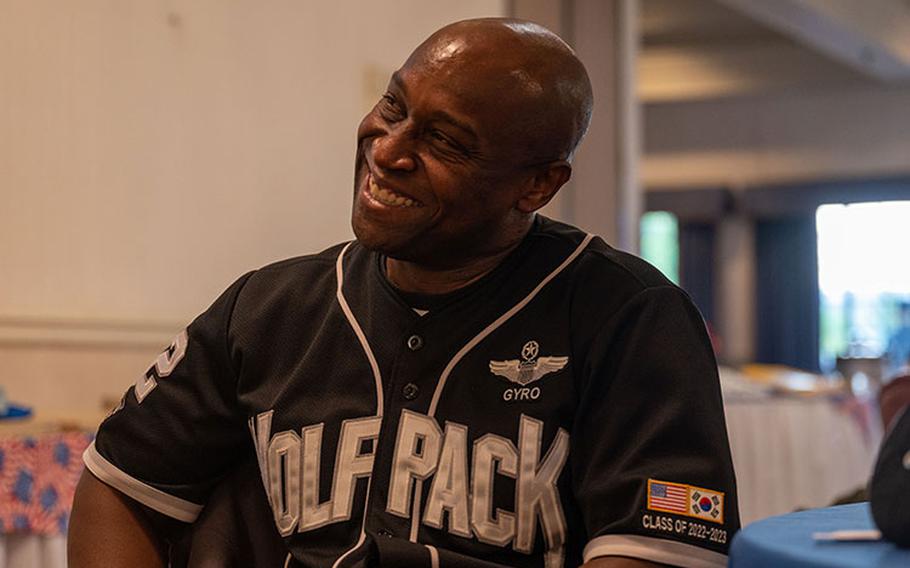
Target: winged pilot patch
x,y
530,368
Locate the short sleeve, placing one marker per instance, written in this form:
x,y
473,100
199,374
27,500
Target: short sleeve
x,y
178,429
651,463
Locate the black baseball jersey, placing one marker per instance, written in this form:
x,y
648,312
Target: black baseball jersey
x,y
565,406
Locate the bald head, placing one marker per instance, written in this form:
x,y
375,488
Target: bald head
x,y
531,74
473,136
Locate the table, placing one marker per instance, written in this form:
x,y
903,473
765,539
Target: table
x,y
786,542
793,452
40,464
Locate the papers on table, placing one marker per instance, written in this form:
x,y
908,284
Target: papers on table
x,y
847,535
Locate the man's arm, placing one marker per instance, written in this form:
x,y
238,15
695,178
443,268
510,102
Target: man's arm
x,y
651,365
109,529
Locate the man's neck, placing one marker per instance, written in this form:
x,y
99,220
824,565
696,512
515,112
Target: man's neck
x,y
411,277
422,279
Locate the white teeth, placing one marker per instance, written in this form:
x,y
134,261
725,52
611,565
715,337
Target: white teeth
x,y
387,197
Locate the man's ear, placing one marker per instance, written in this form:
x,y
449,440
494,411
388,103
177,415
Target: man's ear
x,y
544,185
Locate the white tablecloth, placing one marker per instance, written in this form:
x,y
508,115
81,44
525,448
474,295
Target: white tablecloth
x,y
32,551
792,452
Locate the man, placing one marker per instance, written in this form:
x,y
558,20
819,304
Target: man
x,y
466,384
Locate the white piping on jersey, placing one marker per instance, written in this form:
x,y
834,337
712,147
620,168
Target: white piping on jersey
x,y
363,532
434,556
339,294
654,549
164,503
501,320
440,384
415,511
339,276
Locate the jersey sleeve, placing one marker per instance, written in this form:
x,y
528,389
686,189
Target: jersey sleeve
x,y
651,462
179,428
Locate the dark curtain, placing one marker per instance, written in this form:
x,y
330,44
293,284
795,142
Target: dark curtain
x,y
787,291
696,264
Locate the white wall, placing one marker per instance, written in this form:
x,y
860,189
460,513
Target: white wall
x,y
151,152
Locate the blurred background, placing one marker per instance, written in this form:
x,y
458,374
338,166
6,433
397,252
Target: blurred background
x,y
757,152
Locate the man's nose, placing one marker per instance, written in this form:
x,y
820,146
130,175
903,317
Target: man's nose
x,y
394,150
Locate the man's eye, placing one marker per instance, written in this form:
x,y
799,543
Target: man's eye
x,y
440,137
389,108
447,141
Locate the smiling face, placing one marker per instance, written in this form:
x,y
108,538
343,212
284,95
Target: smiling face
x,y
444,170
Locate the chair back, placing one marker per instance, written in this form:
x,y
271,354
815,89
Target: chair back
x,y
893,397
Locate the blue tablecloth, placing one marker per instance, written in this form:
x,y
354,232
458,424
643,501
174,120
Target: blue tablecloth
x,y
786,541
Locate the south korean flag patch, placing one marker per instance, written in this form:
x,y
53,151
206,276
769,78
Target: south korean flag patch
x,y
706,504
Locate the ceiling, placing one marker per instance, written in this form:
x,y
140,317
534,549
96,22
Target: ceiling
x,y
697,23
699,49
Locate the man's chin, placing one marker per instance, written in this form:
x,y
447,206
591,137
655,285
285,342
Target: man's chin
x,y
382,243
374,238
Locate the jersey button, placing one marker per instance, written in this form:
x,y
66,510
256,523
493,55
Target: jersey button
x,y
410,391
415,342
385,533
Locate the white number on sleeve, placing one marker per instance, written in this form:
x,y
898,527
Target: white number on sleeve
x,y
162,367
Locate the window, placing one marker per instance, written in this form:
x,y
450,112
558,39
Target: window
x,y
660,242
863,277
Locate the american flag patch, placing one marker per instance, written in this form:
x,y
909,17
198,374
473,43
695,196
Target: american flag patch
x,y
688,500
668,497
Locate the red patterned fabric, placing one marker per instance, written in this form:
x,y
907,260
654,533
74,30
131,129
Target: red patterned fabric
x,y
38,476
